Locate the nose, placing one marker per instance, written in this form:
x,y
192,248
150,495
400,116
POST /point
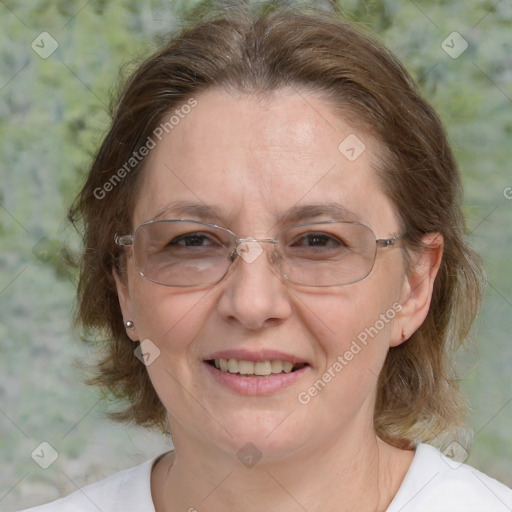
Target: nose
x,y
253,293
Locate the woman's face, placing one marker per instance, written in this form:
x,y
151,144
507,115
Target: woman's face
x,y
252,160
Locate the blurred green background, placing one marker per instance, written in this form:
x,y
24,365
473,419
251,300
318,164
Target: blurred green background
x,y
53,114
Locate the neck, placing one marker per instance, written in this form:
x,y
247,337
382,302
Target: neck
x,y
356,474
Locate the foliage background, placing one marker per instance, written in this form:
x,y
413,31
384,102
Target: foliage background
x,y
53,114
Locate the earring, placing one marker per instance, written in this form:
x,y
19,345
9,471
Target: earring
x,y
128,324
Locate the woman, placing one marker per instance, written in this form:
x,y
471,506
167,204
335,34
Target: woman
x,y
274,247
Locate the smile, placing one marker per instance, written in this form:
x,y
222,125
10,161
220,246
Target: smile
x,y
255,378
255,368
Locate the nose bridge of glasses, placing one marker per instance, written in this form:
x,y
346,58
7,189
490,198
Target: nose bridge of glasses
x,y
238,241
249,248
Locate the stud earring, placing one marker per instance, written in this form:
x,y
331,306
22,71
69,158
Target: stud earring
x,y
128,325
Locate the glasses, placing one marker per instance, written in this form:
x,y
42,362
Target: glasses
x,y
185,253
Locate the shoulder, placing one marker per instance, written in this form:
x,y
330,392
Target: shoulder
x,y
128,490
435,483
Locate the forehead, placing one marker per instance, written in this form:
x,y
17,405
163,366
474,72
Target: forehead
x,y
253,160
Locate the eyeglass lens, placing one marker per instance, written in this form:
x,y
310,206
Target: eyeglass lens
x,y
186,253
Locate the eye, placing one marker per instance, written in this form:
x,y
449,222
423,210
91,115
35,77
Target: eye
x,y
195,240
318,240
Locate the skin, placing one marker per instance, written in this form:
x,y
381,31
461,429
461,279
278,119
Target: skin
x,y
254,158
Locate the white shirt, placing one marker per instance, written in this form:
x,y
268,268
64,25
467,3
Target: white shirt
x,y
433,483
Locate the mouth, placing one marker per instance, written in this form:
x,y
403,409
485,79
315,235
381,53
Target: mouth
x,y
246,368
262,372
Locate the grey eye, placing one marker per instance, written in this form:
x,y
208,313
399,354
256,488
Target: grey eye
x,y
317,240
193,240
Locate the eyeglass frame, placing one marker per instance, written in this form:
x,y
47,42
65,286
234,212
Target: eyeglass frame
x,y
124,241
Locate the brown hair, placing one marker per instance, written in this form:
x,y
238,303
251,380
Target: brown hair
x,y
418,397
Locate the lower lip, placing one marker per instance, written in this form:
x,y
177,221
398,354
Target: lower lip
x,y
256,386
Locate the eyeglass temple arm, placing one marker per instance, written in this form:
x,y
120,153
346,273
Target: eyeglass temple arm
x,y
388,242
123,241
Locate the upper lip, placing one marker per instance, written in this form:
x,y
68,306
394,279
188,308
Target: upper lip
x,y
255,355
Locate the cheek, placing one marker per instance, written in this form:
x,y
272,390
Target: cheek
x,y
170,318
172,321
353,326
353,339
338,318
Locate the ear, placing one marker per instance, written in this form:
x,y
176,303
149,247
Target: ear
x,y
123,293
417,289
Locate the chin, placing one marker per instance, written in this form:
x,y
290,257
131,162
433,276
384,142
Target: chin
x,y
269,435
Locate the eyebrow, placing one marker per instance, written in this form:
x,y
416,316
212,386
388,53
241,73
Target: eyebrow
x,y
295,214
311,211
182,208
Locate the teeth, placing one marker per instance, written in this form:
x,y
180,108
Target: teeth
x,y
276,366
245,367
262,368
232,366
287,366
